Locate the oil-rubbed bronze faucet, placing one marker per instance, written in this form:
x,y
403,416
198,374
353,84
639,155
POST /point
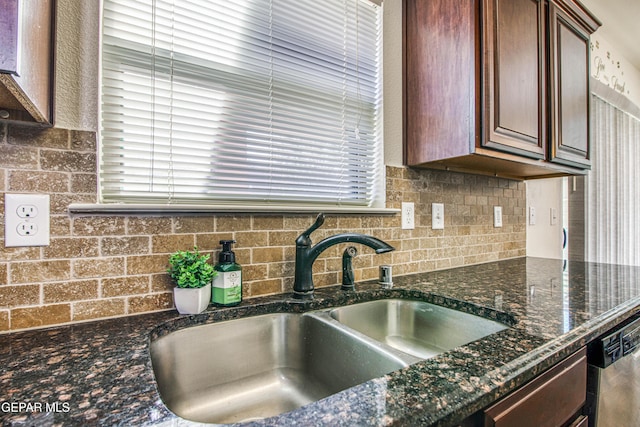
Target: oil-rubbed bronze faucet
x,y
307,254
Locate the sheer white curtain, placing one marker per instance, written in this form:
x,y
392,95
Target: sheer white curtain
x,y
612,191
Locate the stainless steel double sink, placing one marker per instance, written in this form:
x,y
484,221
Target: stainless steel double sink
x,y
256,367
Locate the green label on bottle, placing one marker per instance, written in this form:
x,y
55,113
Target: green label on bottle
x,y
227,288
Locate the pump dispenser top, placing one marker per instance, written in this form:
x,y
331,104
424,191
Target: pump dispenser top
x,y
227,256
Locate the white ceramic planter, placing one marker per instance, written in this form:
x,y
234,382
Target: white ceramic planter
x,y
191,301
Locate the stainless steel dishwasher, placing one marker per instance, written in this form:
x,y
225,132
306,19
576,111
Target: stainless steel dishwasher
x,y
613,382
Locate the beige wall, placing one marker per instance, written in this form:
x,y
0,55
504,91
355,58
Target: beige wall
x,y
544,239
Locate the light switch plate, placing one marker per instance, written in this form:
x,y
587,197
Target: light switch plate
x,y
437,216
532,215
497,216
26,220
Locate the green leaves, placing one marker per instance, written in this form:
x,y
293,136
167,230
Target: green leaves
x,y
190,269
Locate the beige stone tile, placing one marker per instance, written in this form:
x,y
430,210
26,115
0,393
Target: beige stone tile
x,y
18,253
170,243
39,271
211,241
32,317
4,276
149,225
280,269
129,285
84,183
128,245
15,157
264,287
326,279
147,264
60,226
161,283
98,226
195,224
4,320
283,238
251,239
38,182
38,137
88,310
253,272
268,254
67,161
153,302
271,222
70,291
98,267
82,140
65,247
228,223
12,296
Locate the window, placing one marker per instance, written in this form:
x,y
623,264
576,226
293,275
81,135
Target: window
x,y
252,102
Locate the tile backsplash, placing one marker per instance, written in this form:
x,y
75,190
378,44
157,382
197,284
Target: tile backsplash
x,y
107,266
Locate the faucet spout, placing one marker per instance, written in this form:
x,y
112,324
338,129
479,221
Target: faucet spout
x,y
306,254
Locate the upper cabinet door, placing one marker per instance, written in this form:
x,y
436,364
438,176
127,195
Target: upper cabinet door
x,y
26,69
514,76
569,58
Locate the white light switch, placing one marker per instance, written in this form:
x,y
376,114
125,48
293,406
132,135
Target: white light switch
x,y
532,215
497,216
437,216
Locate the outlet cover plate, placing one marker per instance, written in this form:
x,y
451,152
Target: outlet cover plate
x,y
408,216
26,220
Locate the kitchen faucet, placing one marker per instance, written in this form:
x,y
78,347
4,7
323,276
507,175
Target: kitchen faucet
x,y
307,254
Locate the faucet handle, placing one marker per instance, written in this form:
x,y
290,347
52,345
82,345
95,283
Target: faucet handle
x,y
304,238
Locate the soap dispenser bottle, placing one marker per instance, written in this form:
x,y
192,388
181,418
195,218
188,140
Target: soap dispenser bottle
x,y
226,289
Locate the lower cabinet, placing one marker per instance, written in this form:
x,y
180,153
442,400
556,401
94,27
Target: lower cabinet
x,y
553,399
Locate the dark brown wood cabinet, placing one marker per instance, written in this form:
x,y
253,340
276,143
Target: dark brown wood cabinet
x,y
26,61
514,75
497,86
553,399
568,65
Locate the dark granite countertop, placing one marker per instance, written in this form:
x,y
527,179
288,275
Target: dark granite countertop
x,y
100,373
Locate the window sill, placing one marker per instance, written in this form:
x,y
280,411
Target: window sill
x,y
169,210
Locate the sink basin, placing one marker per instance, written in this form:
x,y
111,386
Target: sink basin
x,y
256,367
418,328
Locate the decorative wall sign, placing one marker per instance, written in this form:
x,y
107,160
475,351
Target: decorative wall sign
x,y
608,68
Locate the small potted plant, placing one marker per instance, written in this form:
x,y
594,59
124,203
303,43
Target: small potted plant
x,y
192,275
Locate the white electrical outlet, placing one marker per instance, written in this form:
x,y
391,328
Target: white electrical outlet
x,y
26,220
437,216
532,215
497,216
408,216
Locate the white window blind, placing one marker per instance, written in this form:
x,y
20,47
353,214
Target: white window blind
x,y
612,232
242,101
